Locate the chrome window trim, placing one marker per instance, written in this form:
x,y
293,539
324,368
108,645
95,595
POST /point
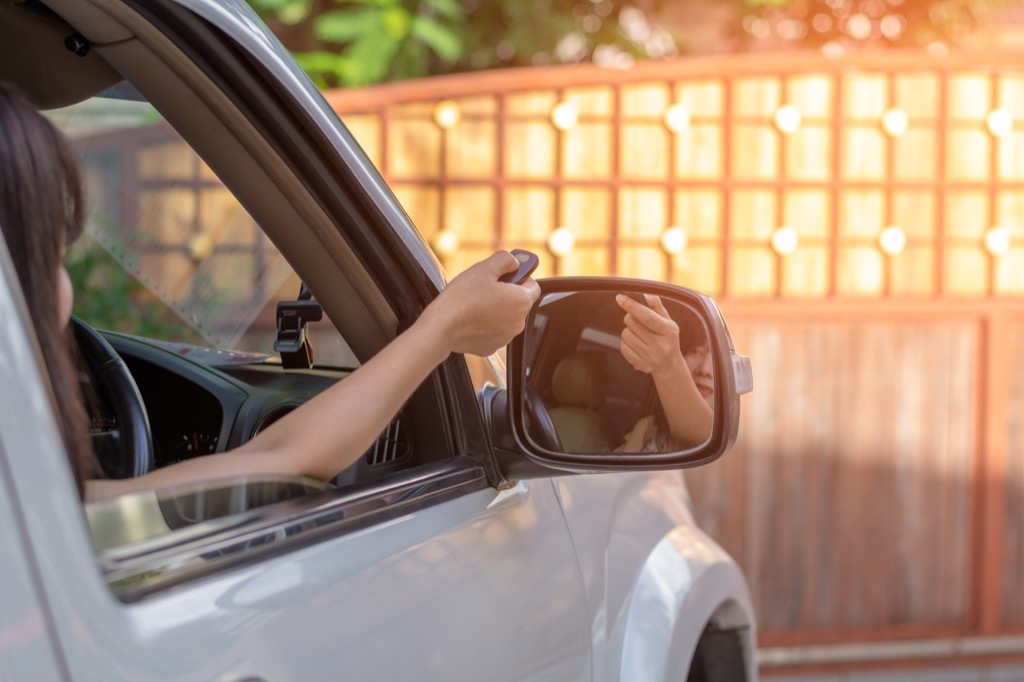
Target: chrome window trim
x,y
134,572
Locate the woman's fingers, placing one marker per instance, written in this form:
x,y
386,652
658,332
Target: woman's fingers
x,y
655,318
665,335
499,263
478,313
641,353
632,357
658,306
650,338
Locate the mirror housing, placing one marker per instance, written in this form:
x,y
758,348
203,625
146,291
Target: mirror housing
x,y
580,317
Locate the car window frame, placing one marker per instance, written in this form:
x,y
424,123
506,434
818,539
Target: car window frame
x,y
467,463
137,571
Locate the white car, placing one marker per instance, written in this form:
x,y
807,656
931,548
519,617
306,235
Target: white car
x,y
487,536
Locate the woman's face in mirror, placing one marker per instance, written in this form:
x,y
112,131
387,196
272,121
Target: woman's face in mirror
x,y
698,361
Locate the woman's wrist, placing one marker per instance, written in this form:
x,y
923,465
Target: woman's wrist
x,y
434,333
670,366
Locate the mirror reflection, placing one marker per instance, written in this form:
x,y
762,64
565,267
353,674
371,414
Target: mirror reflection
x,y
618,372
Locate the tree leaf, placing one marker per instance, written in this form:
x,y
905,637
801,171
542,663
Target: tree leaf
x,y
442,40
411,61
449,9
369,59
345,26
269,5
373,3
295,11
285,11
324,68
396,21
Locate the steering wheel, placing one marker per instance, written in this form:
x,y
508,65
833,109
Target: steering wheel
x,y
542,429
132,440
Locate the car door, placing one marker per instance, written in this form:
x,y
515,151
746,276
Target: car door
x,y
430,572
481,586
427,573
27,647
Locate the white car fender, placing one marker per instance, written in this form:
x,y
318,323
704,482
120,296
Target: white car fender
x,y
686,583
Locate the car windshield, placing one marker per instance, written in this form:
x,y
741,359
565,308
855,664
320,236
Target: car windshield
x,y
168,251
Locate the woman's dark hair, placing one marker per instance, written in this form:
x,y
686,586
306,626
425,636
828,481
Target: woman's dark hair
x,y
691,329
42,211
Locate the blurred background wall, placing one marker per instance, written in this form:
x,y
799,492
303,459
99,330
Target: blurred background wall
x,y
859,218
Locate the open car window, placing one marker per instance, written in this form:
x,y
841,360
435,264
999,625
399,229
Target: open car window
x,y
151,540
173,263
169,253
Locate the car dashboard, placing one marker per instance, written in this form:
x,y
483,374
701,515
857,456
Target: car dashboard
x,y
201,401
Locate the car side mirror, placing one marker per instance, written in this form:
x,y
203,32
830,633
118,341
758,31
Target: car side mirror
x,y
616,374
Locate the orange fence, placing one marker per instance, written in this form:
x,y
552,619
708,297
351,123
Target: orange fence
x,y
859,221
788,176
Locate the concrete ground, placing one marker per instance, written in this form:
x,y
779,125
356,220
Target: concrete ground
x,y
949,673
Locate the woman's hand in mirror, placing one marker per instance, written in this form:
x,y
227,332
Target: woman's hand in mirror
x,y
650,343
641,436
650,340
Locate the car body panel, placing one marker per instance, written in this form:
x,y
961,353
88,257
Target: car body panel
x,y
496,569
27,648
37,497
366,604
686,584
661,581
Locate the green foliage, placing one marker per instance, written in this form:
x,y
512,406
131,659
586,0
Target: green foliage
x,y
441,40
108,297
286,11
359,42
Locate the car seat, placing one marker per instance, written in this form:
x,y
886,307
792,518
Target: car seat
x,y
579,385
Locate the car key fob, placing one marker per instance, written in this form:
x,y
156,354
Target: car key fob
x,y
527,264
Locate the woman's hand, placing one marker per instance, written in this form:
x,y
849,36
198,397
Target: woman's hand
x,y
650,341
478,314
642,432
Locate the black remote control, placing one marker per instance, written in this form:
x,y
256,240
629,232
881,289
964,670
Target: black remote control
x,y
527,264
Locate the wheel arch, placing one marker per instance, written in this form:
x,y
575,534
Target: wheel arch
x,y
687,593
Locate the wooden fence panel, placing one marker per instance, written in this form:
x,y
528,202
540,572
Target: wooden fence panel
x,y
847,498
1012,583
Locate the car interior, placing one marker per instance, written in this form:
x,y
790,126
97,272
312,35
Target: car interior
x,y
579,385
200,397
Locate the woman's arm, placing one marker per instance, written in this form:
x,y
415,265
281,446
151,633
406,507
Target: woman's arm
x,y
650,343
474,314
